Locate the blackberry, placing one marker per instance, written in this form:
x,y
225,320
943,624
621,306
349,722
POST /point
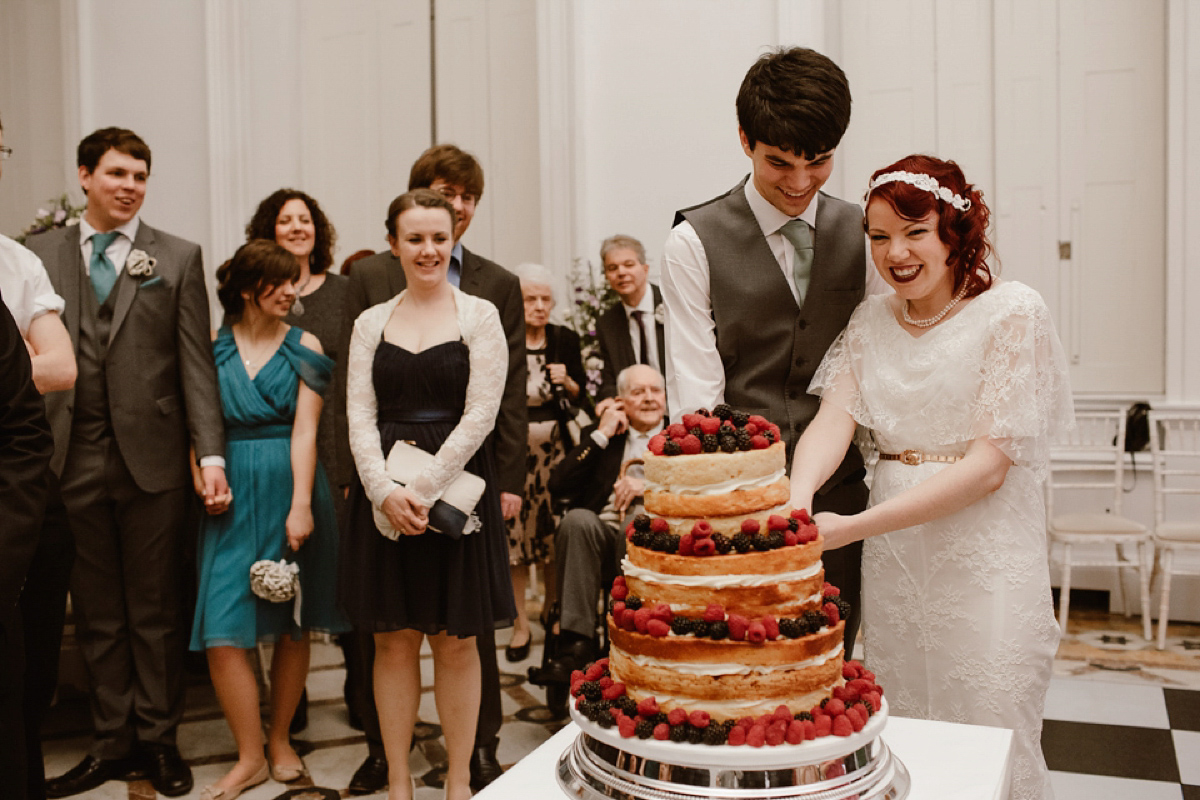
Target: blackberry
x,y
700,628
722,543
679,733
644,729
641,538
715,735
723,411
711,443
718,629
791,628
740,418
658,718
842,606
642,523
769,435
672,448
762,541
815,620
742,542
803,715
627,705
695,735
695,431
743,441
661,542
776,540
672,543
605,721
633,601
729,443
591,690
793,524
681,626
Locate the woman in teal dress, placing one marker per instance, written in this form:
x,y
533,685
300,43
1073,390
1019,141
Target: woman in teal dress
x,y
271,377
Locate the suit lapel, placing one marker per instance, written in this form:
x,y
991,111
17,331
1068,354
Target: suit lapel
x,y
469,278
659,329
127,287
619,325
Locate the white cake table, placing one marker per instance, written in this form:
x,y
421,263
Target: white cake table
x,y
946,761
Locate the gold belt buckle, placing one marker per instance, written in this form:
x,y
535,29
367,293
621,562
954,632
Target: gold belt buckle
x,y
912,457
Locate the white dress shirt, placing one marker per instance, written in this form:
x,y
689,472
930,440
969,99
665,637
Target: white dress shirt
x,y
697,376
117,252
646,306
25,285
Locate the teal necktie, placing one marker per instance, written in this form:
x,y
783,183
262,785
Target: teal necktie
x,y
100,269
799,234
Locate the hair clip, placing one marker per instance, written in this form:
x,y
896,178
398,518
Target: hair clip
x,y
921,181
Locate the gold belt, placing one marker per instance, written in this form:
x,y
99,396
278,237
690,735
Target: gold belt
x,y
915,457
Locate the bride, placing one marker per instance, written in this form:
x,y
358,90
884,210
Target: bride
x,y
961,381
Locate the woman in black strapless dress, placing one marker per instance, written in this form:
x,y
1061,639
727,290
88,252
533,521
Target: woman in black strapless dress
x,y
429,367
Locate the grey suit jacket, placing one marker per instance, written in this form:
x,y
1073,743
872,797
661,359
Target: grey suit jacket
x,y
616,346
380,277
159,370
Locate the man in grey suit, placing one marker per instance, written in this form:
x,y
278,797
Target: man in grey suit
x,y
631,332
759,281
456,175
146,394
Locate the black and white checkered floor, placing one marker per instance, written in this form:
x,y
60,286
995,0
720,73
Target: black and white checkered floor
x,y
1122,721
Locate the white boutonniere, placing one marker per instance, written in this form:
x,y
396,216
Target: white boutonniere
x,y
140,264
660,314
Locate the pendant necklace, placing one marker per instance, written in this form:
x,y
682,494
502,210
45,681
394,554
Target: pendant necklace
x,y
298,306
929,322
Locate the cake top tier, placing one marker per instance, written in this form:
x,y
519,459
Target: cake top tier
x,y
721,430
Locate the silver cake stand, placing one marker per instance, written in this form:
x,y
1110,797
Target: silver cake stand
x,y
596,767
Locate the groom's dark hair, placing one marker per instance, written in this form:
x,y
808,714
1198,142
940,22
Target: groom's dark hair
x,y
93,147
795,99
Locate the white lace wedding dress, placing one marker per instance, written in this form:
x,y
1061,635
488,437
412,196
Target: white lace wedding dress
x,y
958,619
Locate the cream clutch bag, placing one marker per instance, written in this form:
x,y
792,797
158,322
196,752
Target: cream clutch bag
x,y
454,514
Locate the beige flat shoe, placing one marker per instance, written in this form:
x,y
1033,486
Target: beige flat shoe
x,y
287,774
215,793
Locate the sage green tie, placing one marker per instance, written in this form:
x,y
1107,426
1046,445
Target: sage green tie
x,y
100,269
799,234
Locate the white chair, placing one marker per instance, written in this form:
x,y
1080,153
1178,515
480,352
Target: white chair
x,y
1091,459
1175,450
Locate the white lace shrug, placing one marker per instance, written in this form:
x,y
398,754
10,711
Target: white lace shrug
x,y
479,324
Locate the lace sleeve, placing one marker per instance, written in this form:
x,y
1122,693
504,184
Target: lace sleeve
x,y
361,408
1024,397
836,379
484,336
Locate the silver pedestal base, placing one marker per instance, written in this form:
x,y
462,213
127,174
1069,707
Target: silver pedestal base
x,y
592,770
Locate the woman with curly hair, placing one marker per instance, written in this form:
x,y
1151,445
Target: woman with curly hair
x,y
961,381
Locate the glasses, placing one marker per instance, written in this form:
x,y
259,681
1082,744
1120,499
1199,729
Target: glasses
x,y
5,152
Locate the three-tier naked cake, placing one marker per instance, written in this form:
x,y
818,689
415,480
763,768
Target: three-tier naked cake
x,y
726,642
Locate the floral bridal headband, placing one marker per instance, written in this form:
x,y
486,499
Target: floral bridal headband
x,y
921,181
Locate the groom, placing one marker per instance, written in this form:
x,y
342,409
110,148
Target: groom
x,y
146,392
759,281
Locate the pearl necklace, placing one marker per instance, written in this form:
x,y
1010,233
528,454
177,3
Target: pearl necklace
x,y
936,318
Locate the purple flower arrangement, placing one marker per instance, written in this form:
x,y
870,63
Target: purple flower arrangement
x,y
60,214
592,297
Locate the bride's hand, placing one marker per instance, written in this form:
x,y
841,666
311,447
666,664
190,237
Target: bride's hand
x,y
838,530
407,515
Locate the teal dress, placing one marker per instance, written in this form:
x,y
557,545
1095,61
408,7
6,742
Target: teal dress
x,y
259,415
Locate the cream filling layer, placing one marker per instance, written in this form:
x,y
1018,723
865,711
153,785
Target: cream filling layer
x,y
681,608
715,581
724,487
731,669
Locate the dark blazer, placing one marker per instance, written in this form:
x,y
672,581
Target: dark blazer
x,y
585,476
380,277
159,370
616,346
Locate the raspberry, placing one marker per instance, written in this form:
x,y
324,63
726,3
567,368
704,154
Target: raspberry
x,y
750,428
647,707
808,533
795,732
764,719
702,529
861,685
759,443
746,722
672,448
722,543
594,672
782,712
757,736
829,590
737,736
756,633
772,629
691,445
662,731
710,425
847,693
801,515
620,592
629,531
659,525
626,727
676,431
851,670
691,420
714,613
823,725
656,627
613,692
833,707
759,421
641,618
617,609
676,716
857,717
686,544
737,627
699,719
831,613
810,729
842,726
776,523
750,526
723,411
657,443
790,538
776,735
704,547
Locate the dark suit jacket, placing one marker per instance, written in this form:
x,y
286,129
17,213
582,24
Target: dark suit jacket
x,y
380,277
585,476
159,370
616,346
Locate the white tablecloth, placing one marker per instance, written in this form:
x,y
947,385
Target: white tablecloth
x,y
946,761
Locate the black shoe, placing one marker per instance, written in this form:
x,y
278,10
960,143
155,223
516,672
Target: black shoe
x,y
300,718
484,767
519,653
371,776
87,775
169,775
576,655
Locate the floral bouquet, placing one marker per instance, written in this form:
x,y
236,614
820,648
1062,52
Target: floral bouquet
x,y
593,296
61,213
